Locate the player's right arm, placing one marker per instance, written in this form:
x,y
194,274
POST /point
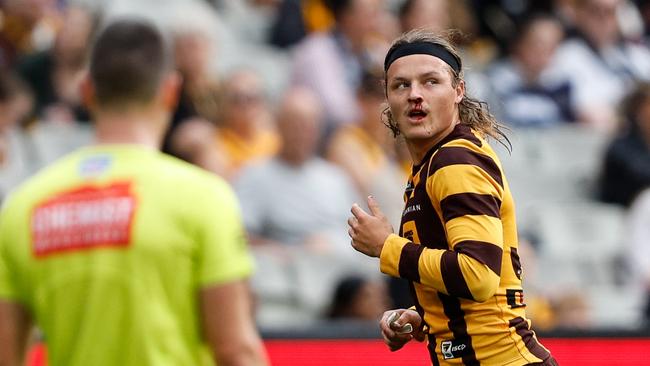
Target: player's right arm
x,y
223,269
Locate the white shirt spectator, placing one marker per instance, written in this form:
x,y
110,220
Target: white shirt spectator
x,y
600,78
543,104
292,205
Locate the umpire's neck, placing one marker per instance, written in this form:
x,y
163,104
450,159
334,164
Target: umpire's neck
x,y
137,123
145,128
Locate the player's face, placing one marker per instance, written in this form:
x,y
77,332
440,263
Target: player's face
x,y
422,99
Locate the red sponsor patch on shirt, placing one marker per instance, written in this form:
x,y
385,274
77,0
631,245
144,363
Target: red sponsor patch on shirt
x,y
83,219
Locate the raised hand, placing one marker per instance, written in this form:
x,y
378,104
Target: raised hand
x,y
368,230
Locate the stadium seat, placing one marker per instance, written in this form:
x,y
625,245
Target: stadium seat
x,y
296,290
579,251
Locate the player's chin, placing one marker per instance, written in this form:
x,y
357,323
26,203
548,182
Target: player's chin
x,y
420,134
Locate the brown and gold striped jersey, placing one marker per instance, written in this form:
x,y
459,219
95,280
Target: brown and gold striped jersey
x,y
457,246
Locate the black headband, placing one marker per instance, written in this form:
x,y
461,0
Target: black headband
x,y
422,48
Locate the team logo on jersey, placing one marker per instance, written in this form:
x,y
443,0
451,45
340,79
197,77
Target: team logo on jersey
x,y
82,219
412,208
515,298
453,349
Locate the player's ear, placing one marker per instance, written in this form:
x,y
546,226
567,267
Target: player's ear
x,y
170,90
460,91
87,89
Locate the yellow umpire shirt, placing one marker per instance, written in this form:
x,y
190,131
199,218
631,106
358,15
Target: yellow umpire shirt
x,y
108,249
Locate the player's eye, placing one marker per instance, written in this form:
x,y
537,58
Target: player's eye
x,y
400,85
431,81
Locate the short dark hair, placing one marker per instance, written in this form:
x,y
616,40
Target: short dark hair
x,y
127,63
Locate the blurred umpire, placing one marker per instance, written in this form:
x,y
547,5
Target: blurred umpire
x,y
122,255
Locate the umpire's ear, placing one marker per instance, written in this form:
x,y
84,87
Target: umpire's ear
x,y
87,89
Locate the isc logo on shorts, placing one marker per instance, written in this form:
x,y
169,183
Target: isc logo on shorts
x,y
452,349
83,219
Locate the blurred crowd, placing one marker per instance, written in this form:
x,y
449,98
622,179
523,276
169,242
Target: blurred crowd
x,y
284,98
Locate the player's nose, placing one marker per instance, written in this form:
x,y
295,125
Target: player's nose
x,y
415,93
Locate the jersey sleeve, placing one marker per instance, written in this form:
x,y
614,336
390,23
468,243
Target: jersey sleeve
x,y
223,253
8,287
466,190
